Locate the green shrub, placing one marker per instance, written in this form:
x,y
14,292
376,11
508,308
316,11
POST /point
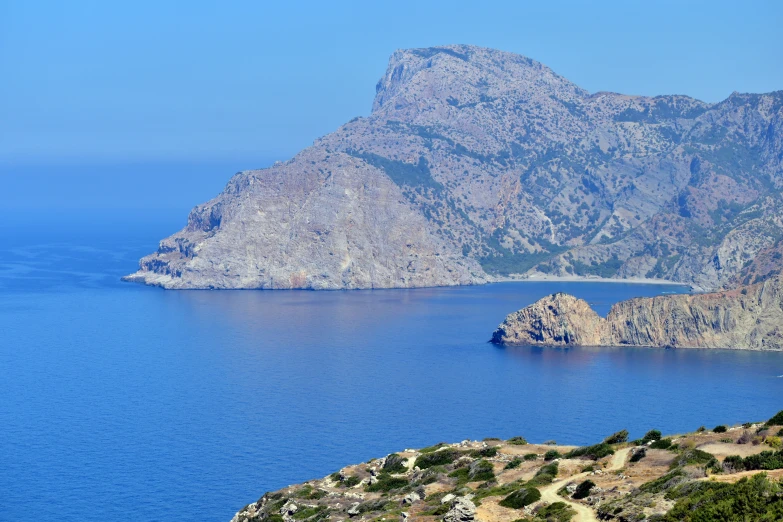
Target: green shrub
x,y
530,456
435,447
545,475
461,474
664,482
517,441
754,498
489,451
638,455
308,512
617,438
765,460
583,489
719,429
514,463
552,455
595,452
387,483
661,444
555,512
394,464
776,420
437,458
350,482
521,498
694,457
701,429
481,470
651,436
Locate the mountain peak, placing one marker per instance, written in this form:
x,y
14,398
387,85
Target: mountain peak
x,y
460,74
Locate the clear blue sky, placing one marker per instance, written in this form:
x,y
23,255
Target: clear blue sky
x,y
91,81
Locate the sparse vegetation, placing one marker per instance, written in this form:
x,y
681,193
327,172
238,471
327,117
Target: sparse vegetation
x,y
595,452
521,498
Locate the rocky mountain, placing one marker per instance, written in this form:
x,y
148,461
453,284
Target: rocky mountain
x,y
651,478
745,318
476,163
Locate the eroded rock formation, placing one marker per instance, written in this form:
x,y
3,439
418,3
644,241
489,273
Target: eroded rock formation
x,y
749,317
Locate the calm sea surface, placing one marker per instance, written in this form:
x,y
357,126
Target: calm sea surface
x,y
121,402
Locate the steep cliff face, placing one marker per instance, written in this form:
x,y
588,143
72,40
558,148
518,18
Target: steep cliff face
x,y
750,317
476,161
338,223
558,319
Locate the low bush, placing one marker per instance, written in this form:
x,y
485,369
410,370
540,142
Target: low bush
x,y
387,483
552,455
591,452
638,455
776,420
517,441
774,441
617,438
489,451
481,470
701,429
394,464
766,460
651,436
545,475
555,512
530,456
719,429
435,447
350,482
694,457
521,498
754,498
436,458
661,444
745,438
308,512
514,463
583,489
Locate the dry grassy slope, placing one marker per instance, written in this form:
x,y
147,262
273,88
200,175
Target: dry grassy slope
x,y
491,155
430,494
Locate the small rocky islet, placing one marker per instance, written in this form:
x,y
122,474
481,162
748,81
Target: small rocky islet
x,y
710,474
746,318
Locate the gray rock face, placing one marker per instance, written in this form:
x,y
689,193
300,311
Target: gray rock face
x,y
462,510
749,317
477,162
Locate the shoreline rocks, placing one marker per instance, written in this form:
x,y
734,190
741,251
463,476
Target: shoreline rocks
x,y
746,318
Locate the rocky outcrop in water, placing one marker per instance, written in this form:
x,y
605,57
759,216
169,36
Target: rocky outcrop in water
x,y
476,162
746,318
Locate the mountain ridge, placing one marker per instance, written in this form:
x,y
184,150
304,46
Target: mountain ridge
x,y
489,163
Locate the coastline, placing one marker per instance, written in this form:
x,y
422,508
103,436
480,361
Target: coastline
x,y
589,279
496,480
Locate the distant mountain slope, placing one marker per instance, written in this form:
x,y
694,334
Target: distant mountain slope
x,y
475,160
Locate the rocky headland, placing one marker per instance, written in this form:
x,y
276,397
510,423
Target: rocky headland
x,y
745,318
704,475
476,163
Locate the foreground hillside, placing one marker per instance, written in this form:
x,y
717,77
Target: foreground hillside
x,y
705,475
476,163
748,317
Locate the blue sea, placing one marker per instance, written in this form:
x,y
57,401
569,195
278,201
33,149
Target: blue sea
x,y
124,402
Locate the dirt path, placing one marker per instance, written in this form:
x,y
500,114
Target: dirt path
x,y
583,513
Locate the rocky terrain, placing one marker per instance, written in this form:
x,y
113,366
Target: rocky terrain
x,y
704,475
477,163
745,318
